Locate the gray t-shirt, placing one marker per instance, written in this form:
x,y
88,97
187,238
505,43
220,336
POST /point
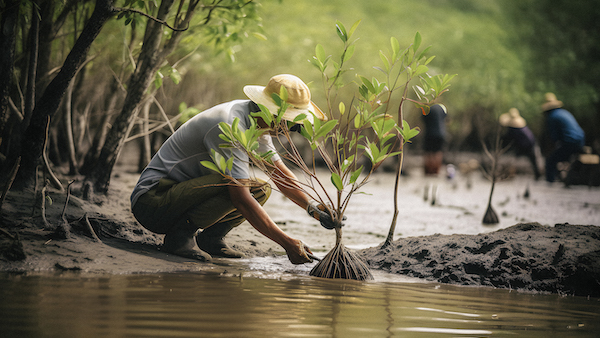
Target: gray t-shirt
x,y
179,157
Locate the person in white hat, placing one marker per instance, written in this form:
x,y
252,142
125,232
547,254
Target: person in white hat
x,y
177,196
564,131
519,137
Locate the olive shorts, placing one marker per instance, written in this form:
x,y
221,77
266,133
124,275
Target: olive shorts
x,y
201,202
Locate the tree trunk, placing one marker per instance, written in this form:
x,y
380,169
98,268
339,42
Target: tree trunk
x,y
151,57
10,13
68,121
49,102
145,142
93,153
31,67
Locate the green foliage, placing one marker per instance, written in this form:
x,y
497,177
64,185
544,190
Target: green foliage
x,y
363,129
508,53
218,164
186,113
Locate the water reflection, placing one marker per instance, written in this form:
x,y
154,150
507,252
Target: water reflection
x,y
203,305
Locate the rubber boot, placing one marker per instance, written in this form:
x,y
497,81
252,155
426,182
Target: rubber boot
x,y
180,241
211,241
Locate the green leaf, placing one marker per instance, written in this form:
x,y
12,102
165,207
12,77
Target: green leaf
x,y
368,83
386,62
356,174
229,163
175,76
259,36
210,166
421,69
300,117
308,127
408,133
337,181
341,31
353,28
417,42
347,163
395,48
342,108
357,121
320,53
349,53
325,129
264,113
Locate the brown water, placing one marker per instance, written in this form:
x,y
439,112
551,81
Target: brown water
x,y
292,305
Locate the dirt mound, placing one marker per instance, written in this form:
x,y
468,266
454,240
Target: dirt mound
x,y
528,256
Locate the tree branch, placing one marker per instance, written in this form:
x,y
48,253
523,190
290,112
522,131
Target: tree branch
x,y
132,10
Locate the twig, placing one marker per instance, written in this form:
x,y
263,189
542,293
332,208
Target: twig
x,y
62,216
7,234
91,229
43,207
10,180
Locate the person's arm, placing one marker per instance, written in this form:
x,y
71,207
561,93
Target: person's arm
x,y
254,213
287,184
290,188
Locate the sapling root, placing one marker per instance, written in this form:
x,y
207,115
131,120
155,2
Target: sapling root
x,y
341,263
490,216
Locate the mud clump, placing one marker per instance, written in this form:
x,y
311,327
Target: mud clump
x,y
562,259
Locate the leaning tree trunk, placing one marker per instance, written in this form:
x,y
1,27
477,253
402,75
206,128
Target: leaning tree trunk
x,y
148,63
47,106
151,57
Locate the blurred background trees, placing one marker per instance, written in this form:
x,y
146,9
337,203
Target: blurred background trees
x,y
506,54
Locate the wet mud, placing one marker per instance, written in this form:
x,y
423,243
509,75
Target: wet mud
x,y
547,238
562,259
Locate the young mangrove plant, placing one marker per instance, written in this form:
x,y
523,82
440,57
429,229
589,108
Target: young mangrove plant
x,y
493,174
357,126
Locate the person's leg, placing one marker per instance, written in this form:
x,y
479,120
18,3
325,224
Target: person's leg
x,y
180,241
562,154
211,239
530,153
165,209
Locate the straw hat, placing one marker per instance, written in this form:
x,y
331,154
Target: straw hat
x,y
512,119
298,97
551,102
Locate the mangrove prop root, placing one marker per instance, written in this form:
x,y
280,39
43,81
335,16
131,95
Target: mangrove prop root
x,y
490,216
91,229
341,263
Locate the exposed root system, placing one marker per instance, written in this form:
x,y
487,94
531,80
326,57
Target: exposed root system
x,y
341,262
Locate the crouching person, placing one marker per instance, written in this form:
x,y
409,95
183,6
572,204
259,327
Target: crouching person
x,y
177,196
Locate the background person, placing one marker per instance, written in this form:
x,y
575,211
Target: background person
x,y
434,138
519,137
176,195
565,133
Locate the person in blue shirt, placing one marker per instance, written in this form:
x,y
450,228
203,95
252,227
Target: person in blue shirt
x,y
565,133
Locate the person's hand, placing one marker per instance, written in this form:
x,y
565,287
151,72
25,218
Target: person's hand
x,y
318,211
298,253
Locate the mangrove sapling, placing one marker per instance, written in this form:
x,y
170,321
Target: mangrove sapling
x,y
493,174
347,134
410,65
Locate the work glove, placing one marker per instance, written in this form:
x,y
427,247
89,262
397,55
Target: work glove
x,y
318,211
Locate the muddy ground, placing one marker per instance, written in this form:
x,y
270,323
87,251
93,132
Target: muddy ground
x,y
548,238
